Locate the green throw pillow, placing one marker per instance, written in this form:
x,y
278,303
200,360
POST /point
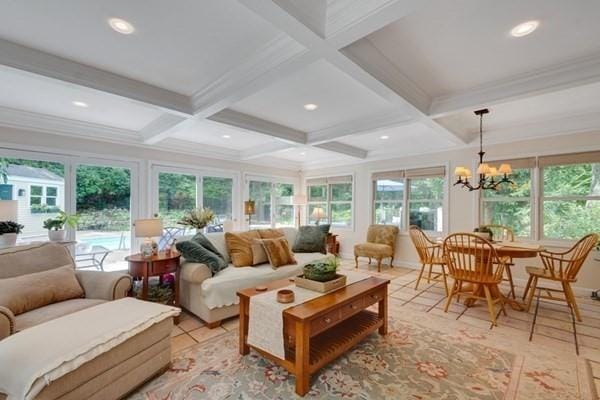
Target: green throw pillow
x,y
310,239
324,228
192,251
204,242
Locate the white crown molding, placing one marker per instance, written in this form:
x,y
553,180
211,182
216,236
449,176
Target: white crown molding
x,y
254,124
312,13
570,74
343,148
357,127
40,63
370,58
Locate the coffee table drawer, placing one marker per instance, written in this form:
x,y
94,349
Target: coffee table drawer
x,y
326,321
352,308
374,297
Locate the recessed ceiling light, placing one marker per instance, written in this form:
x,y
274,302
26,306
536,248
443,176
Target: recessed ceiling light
x,y
226,136
384,137
121,26
303,154
82,104
524,29
310,107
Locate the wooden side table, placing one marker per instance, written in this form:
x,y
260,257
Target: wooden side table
x,y
333,246
162,263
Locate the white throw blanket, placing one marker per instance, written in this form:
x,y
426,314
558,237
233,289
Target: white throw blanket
x,y
265,325
33,358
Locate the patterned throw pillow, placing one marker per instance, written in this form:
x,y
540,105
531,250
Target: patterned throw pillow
x,y
310,239
278,251
239,246
193,251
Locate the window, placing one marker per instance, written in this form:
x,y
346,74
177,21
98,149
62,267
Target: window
x,y
272,202
217,194
570,195
512,204
36,196
410,197
51,195
332,200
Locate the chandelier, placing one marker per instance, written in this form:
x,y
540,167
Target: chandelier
x,y
489,177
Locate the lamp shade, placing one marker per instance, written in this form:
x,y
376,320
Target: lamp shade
x,y
460,171
299,200
9,210
148,227
249,207
505,169
318,213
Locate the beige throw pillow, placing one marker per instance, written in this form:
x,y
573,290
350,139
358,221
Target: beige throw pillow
x,y
278,251
258,252
239,246
27,292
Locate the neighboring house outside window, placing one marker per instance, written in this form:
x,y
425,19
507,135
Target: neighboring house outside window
x,y
334,195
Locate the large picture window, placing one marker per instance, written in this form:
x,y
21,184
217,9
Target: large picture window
x,y
272,202
332,198
512,204
570,195
410,197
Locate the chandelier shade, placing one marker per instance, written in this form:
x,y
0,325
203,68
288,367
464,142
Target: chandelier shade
x,y
487,173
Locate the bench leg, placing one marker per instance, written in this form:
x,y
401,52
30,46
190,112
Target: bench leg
x,y
213,325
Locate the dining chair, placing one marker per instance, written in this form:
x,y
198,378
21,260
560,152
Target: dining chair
x,y
430,254
560,267
473,260
505,234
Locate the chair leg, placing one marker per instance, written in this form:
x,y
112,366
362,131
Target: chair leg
x,y
490,304
537,306
420,275
531,293
510,281
527,287
429,274
449,300
356,261
391,262
379,265
459,291
445,278
369,260
571,300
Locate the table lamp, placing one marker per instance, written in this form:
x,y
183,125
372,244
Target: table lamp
x,y
299,201
318,214
148,229
9,210
249,210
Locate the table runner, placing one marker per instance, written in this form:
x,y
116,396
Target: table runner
x,y
265,326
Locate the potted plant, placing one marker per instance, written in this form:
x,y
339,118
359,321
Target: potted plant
x,y
198,218
5,188
484,232
8,232
56,225
322,270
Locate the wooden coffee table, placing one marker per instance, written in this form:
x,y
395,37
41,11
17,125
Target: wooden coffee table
x,y
322,329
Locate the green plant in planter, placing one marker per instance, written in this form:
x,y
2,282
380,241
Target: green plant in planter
x,y
198,218
57,223
485,230
323,270
10,227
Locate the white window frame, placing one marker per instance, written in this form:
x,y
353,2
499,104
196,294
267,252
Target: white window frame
x,y
442,201
273,180
40,196
328,202
403,202
46,196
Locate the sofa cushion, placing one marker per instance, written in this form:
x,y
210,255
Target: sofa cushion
x,y
21,260
240,247
207,244
221,289
195,272
278,251
310,239
53,311
28,292
374,250
195,252
259,256
270,233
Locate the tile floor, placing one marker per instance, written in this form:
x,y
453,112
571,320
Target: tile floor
x,y
553,326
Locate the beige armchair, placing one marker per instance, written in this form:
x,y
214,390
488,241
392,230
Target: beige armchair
x,y
21,260
381,243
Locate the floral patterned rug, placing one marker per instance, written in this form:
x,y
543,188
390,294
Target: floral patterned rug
x,y
411,362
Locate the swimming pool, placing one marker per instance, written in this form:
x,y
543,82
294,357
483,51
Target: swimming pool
x,y
112,242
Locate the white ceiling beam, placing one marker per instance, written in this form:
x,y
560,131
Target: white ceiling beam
x,y
266,149
359,126
342,148
351,20
254,124
559,77
161,128
40,63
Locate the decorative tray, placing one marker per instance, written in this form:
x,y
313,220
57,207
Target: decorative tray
x,y
338,282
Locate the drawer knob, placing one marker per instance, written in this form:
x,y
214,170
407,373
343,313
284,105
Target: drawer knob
x,y
327,320
353,307
375,296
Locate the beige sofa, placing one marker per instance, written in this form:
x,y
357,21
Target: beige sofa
x,y
213,298
112,374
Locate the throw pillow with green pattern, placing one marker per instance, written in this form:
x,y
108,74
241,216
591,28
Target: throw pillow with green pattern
x,y
310,239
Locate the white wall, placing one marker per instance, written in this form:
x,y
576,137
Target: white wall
x,y
462,205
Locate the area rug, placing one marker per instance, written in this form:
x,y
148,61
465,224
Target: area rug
x,y
411,362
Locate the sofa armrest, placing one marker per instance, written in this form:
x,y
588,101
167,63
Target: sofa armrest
x,y
7,322
195,272
104,285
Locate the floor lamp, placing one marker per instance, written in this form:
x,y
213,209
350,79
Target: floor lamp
x,y
299,201
249,210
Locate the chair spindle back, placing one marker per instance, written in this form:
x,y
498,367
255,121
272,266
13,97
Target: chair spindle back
x,y
471,257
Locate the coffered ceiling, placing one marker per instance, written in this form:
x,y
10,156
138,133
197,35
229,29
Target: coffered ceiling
x,y
231,78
